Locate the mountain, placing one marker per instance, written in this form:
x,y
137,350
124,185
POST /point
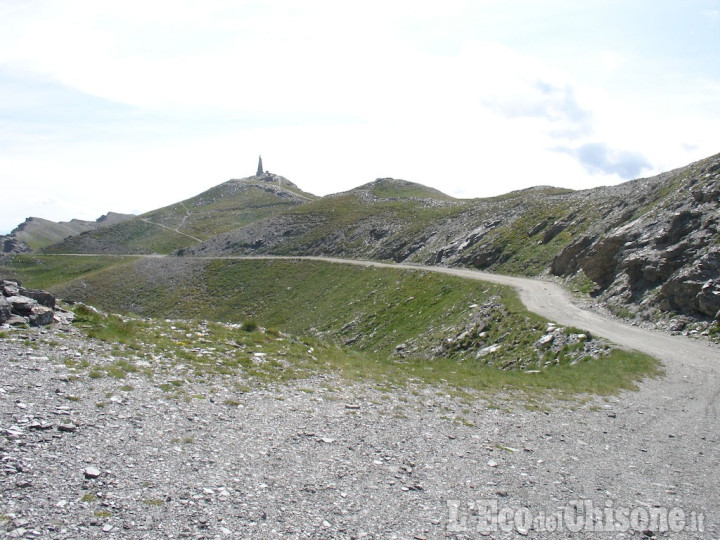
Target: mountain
x,y
227,206
354,223
36,233
648,248
642,248
392,189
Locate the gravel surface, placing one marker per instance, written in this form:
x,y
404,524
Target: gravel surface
x,y
324,458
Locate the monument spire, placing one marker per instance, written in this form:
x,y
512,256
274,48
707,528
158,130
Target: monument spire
x,y
260,167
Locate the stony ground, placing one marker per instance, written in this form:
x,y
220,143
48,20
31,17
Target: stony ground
x,y
86,457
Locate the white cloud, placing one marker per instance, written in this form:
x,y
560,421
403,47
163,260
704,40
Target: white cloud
x,y
131,105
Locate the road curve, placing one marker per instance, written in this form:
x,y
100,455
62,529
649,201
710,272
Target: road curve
x,y
667,435
657,448
554,302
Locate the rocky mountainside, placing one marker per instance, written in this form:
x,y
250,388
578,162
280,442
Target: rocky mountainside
x,y
657,244
36,233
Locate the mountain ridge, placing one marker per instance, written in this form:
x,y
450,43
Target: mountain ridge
x,y
35,233
647,248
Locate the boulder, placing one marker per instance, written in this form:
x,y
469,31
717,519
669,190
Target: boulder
x,y
485,257
554,229
601,262
681,223
696,288
680,294
565,263
537,228
13,245
8,287
5,310
41,315
708,299
42,297
17,320
22,305
545,341
19,305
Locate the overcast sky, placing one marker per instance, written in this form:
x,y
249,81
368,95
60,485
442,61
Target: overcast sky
x,y
129,106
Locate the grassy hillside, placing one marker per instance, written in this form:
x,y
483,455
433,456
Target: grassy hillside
x,y
134,236
38,233
434,328
225,207
391,188
51,271
230,205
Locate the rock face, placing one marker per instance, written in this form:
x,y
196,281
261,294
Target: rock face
x,y
668,257
13,245
19,305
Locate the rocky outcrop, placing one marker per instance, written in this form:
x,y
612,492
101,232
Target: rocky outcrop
x,y
667,258
12,245
696,287
19,305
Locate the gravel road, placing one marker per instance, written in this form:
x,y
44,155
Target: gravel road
x,y
327,459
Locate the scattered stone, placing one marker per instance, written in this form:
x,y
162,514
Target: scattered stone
x,y
489,350
288,461
91,473
545,341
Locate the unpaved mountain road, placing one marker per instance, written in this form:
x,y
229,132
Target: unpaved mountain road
x,y
669,429
555,303
602,468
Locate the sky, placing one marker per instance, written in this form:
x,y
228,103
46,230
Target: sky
x,y
130,106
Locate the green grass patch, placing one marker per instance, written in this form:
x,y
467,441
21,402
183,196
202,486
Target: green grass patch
x,y
47,271
385,325
582,284
89,498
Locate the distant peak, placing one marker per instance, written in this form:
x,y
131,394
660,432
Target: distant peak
x,y
394,188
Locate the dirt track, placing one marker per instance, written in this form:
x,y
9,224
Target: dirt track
x,y
672,420
327,459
